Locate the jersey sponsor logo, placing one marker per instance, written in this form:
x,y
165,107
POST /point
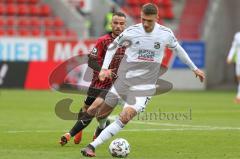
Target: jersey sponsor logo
x,y
145,54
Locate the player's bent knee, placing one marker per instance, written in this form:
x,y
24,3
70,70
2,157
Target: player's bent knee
x,y
92,111
102,115
104,111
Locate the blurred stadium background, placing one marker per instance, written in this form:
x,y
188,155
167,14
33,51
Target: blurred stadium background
x,y
38,35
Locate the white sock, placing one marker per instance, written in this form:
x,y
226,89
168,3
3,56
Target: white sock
x,y
238,92
102,123
108,132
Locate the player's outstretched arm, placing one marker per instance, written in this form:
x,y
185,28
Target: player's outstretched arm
x,y
200,74
105,72
181,53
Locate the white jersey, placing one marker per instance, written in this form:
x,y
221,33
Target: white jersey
x,y
144,53
146,47
234,53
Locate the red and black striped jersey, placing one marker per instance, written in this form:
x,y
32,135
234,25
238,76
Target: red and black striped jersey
x,y
98,54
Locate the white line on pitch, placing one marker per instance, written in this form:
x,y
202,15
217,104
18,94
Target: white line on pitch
x,y
182,129
130,130
179,125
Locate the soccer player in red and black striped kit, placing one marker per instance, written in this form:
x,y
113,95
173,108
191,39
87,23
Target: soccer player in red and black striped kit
x,y
98,89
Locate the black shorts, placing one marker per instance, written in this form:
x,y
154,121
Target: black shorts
x,y
93,93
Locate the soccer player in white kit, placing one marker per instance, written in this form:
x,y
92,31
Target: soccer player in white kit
x,y
138,71
234,56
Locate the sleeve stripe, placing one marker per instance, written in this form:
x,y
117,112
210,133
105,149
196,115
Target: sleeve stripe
x,y
173,46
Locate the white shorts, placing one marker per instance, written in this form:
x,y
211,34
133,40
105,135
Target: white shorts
x,y
138,103
141,103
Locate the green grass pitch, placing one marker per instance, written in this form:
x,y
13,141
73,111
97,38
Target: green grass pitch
x,y
176,125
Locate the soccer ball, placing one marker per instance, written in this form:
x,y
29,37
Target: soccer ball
x,y
119,148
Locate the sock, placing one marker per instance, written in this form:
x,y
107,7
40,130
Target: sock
x,y
84,120
108,132
238,92
102,123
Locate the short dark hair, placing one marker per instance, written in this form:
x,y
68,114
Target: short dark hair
x,y
120,14
150,9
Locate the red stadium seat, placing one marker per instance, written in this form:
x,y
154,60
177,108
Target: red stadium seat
x,y
45,10
136,11
27,1
36,32
22,1
48,33
9,1
33,1
48,22
133,8
142,2
158,2
35,22
27,18
2,9
12,9
59,32
168,13
58,22
24,32
23,9
34,10
2,32
10,21
24,22
167,3
11,32
2,22
71,33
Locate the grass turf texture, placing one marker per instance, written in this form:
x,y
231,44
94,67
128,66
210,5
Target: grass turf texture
x,y
30,129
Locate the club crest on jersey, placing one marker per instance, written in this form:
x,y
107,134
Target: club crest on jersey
x,y
120,36
157,45
94,51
